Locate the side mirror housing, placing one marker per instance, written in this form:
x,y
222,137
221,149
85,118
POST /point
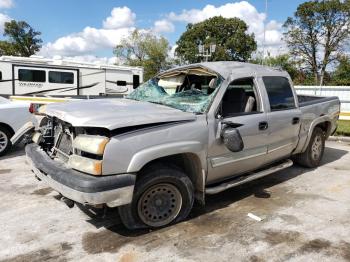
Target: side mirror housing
x,y
232,138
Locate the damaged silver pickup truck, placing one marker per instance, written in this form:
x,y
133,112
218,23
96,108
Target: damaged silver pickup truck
x,y
190,131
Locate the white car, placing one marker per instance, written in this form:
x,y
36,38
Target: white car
x,y
13,115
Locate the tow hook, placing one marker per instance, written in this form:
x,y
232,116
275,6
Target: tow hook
x,y
68,202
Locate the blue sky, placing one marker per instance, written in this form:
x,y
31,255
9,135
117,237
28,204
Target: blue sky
x,y
82,28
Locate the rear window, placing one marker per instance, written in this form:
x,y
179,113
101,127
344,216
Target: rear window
x,y
61,77
279,92
30,75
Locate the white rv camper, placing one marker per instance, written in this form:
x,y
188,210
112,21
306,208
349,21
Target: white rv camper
x,y
22,76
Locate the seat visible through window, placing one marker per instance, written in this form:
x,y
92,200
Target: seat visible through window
x,y
240,97
234,101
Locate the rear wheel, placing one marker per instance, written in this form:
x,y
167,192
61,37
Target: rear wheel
x,y
5,142
314,151
162,196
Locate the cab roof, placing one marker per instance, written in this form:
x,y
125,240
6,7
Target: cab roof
x,y
227,69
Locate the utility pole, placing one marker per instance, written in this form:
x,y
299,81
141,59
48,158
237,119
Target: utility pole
x,y
264,43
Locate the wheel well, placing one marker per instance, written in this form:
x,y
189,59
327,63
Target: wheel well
x,y
326,127
190,164
9,128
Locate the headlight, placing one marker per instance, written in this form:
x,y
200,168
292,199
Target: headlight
x,y
86,165
91,144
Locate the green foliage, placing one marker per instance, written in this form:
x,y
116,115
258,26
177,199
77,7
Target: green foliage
x,y
341,75
281,61
317,33
343,128
144,49
233,43
22,39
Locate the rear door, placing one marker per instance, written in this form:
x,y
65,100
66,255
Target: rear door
x,y
118,82
283,117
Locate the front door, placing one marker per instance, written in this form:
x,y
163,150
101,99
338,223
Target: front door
x,y
241,105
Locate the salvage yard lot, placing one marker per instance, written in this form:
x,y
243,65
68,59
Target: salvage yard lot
x,y
305,218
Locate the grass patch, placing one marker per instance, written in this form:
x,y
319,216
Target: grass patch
x,y
343,128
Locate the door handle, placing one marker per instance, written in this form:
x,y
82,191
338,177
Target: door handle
x,y
295,120
263,125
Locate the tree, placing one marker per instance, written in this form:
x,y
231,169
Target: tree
x,y
317,34
283,61
22,40
341,74
230,36
144,49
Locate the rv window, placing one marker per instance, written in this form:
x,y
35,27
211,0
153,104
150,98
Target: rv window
x,y
29,75
0,75
61,77
121,83
135,81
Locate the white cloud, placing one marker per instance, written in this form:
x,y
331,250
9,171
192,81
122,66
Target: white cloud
x,y
6,3
89,40
3,18
115,27
243,10
121,17
163,26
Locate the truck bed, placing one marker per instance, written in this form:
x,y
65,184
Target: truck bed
x,y
314,108
305,100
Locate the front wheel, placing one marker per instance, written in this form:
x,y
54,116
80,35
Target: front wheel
x,y
314,151
162,196
5,142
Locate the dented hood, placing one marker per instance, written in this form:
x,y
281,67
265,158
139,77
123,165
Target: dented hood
x,y
115,113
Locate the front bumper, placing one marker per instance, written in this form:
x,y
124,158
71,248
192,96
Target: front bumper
x,y
114,190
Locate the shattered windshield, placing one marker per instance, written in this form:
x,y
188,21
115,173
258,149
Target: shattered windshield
x,y
188,97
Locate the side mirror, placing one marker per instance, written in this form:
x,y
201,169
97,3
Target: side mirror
x,y
231,137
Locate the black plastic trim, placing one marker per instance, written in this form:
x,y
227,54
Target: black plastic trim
x,y
74,179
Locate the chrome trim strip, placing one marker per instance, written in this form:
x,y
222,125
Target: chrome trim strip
x,y
278,148
232,158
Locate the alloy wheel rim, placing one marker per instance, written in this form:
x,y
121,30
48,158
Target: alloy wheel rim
x,y
159,205
3,141
316,148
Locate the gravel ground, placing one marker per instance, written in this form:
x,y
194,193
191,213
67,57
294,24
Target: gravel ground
x,y
305,218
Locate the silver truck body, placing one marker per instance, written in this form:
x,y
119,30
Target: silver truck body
x,y
142,132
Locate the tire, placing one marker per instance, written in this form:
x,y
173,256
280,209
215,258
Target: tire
x,y
5,142
163,195
314,152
